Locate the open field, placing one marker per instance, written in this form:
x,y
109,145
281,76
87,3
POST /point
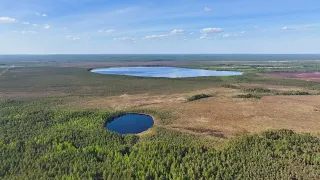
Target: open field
x,y
311,76
52,118
221,113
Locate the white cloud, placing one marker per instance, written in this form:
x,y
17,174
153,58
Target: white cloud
x,y
286,28
72,38
177,31
226,35
8,20
205,36
211,30
161,36
35,25
230,35
298,27
206,9
29,32
191,33
46,26
310,26
11,20
165,36
208,32
124,39
42,14
124,10
242,32
25,32
108,31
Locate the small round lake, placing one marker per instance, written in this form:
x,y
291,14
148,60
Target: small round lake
x,y
130,124
166,72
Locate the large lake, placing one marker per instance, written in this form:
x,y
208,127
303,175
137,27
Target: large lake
x,y
166,72
130,124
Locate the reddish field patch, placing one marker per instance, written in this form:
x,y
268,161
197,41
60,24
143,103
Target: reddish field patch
x,y
309,76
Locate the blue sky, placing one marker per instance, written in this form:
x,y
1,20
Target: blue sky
x,y
154,26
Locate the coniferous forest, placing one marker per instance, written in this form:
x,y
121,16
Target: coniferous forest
x,y
37,142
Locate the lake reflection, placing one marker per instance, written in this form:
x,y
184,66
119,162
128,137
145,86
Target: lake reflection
x,y
168,72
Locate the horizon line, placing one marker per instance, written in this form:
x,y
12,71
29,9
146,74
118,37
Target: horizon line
x,y
167,54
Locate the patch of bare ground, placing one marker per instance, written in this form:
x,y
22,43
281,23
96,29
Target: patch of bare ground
x,y
126,101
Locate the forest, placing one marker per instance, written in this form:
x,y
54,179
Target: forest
x,y
40,141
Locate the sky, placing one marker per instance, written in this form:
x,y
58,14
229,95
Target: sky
x,y
159,27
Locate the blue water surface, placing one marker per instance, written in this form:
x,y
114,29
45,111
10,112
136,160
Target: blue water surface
x,y
130,124
167,72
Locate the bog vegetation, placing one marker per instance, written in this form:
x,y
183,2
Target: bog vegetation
x,y
198,97
79,82
38,141
259,92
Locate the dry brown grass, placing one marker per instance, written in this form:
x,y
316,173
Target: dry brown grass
x,y
237,116
308,76
222,115
127,101
276,87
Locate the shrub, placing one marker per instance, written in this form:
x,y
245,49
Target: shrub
x,y
248,96
258,90
294,93
198,96
230,86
